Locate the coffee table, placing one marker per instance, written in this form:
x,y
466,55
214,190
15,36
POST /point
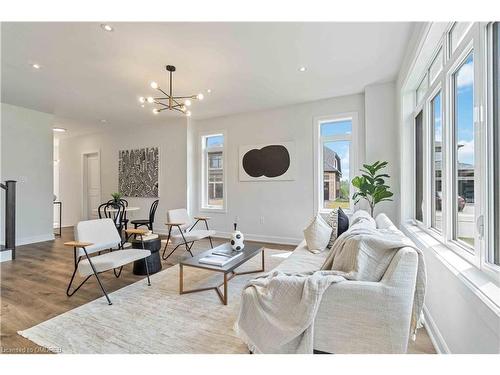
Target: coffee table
x,y
228,269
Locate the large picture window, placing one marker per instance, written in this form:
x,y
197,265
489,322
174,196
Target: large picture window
x,y
463,124
213,171
335,156
437,163
457,144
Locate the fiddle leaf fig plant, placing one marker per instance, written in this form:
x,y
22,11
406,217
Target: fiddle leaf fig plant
x,y
371,185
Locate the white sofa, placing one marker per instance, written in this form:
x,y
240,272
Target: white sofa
x,y
363,317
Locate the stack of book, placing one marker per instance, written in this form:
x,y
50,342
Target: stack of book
x,y
220,256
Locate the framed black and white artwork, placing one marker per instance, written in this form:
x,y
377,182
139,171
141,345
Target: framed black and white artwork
x,y
138,172
267,162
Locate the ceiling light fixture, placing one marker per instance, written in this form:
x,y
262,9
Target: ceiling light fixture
x,y
168,100
302,69
209,90
103,121
59,130
35,66
106,27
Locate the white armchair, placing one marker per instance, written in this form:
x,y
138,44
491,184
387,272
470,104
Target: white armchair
x,y
181,231
95,236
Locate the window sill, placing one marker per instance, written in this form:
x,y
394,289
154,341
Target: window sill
x,y
483,285
222,210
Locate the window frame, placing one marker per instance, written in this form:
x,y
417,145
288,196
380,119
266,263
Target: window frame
x,y
318,155
476,39
204,165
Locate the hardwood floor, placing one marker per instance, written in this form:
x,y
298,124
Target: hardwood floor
x,y
33,289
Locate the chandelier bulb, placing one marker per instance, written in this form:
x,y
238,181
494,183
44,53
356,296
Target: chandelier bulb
x,y
142,99
150,99
187,102
199,96
156,111
188,113
154,85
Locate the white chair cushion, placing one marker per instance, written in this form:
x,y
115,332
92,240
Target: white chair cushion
x,y
101,232
111,260
317,234
194,235
179,215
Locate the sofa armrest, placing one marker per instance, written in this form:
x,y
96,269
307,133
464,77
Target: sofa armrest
x,y
363,317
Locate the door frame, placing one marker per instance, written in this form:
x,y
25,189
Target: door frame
x,y
83,181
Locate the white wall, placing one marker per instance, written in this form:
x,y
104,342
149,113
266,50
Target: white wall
x,y
285,206
27,154
382,139
171,138
460,317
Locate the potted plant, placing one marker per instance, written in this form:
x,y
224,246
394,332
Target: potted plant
x,y
116,198
371,185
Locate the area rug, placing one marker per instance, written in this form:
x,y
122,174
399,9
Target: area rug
x,y
155,319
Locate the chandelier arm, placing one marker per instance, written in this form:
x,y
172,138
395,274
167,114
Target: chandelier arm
x,y
178,109
163,92
160,98
185,97
163,104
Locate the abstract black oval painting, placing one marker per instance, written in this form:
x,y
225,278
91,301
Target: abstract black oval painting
x,y
270,161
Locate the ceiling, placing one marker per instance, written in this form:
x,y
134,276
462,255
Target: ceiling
x,y
88,75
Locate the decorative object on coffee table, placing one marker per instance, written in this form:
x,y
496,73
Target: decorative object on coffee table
x,y
228,269
237,239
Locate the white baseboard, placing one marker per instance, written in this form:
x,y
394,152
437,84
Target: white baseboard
x,y
250,237
434,334
34,239
5,255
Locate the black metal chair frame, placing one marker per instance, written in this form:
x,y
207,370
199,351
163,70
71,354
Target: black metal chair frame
x,y
77,260
189,244
124,203
152,213
116,216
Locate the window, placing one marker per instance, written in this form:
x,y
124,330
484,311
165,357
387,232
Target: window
x,y
422,89
335,152
436,66
419,166
457,34
463,124
437,163
456,137
213,171
496,142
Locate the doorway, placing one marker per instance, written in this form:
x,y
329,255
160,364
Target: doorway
x,y
91,184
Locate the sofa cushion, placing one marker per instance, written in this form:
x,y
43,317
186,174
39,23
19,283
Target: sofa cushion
x,y
317,234
362,219
302,260
339,222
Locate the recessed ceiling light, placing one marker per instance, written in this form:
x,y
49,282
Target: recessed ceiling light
x,y
107,27
103,121
302,69
35,66
59,130
209,90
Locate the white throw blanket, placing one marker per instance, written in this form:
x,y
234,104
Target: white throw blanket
x,y
278,310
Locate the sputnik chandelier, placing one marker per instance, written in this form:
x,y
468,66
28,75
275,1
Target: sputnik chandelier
x,y
169,101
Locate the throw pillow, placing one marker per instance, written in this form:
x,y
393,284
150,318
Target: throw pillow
x,y
317,235
339,222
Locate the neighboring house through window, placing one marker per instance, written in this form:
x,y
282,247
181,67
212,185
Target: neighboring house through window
x,y
213,171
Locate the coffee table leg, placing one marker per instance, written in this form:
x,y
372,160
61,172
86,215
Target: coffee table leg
x,y
225,288
263,265
181,279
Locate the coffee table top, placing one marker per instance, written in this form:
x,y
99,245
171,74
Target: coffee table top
x,y
249,252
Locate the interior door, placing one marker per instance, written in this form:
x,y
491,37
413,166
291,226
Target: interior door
x,y
93,184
